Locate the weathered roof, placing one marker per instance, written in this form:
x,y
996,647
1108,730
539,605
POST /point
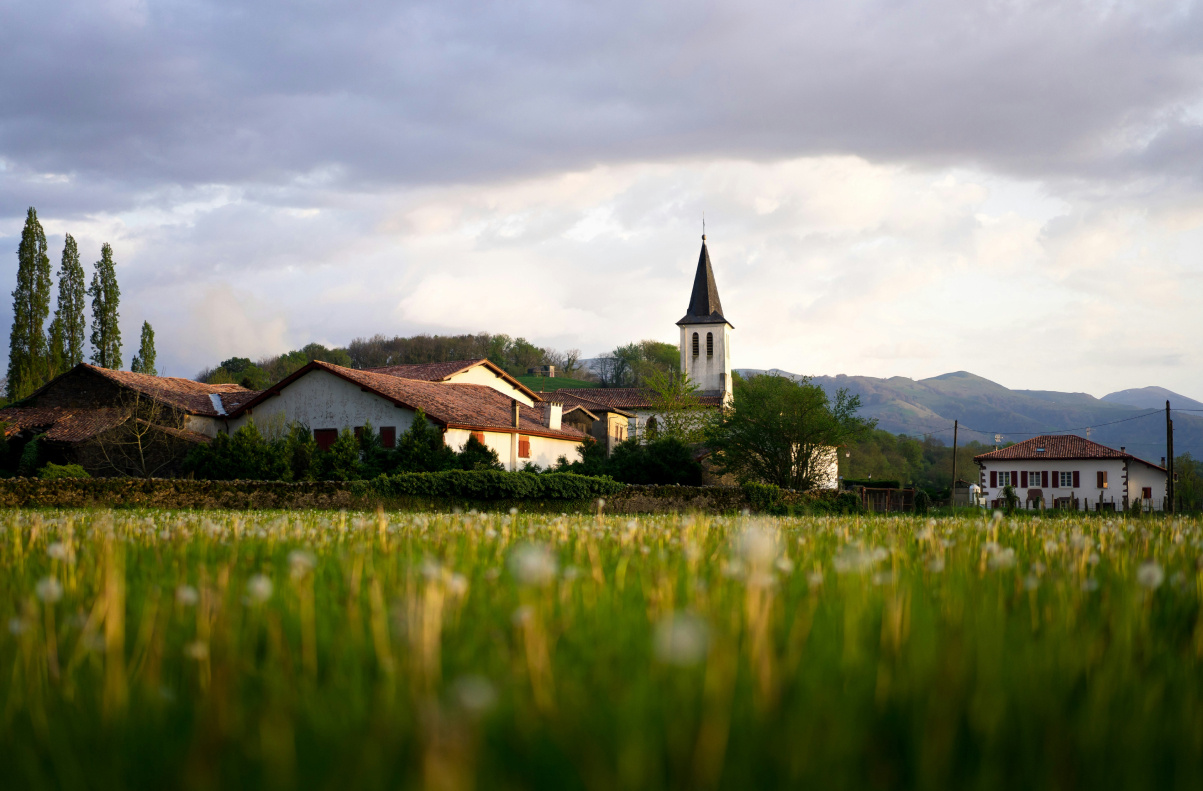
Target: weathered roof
x,y
63,424
191,396
627,397
573,399
704,304
441,372
1057,446
568,410
470,406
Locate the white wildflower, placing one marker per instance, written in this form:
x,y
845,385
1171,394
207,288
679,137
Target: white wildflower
x,y
935,565
1150,575
681,640
814,579
1003,559
186,595
258,589
49,590
522,616
300,563
533,564
785,565
58,551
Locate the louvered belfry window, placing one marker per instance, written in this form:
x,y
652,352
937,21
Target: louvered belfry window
x,y
710,344
695,344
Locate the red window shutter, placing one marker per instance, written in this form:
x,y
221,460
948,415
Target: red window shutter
x,y
1098,479
480,436
325,437
1056,480
524,447
358,432
1044,479
1023,479
388,436
1014,478
1077,480
993,479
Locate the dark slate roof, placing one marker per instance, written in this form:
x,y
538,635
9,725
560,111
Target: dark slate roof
x,y
1057,446
704,304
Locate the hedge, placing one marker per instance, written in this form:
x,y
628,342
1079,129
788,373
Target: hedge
x,y
490,485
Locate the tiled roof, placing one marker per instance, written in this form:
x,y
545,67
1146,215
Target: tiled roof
x,y
186,394
573,400
441,372
63,424
451,405
1057,446
627,397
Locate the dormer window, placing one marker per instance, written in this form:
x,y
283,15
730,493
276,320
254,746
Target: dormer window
x,y
1040,450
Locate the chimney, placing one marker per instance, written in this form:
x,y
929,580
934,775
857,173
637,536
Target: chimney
x,y
555,415
1122,449
1163,461
516,423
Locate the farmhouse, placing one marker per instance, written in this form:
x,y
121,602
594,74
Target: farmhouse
x,y
1067,471
463,398
118,422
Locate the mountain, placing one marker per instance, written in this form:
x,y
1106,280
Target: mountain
x,y
1152,398
985,408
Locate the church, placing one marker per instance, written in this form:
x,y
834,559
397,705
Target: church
x,y
705,346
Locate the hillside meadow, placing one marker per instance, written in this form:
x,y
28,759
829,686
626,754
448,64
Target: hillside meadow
x,y
309,649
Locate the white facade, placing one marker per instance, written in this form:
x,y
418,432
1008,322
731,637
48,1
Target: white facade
x,y
480,375
321,400
706,357
1125,481
543,451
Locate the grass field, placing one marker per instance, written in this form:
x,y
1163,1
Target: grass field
x,y
316,650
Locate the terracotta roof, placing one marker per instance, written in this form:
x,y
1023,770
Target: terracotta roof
x,y
186,394
577,408
441,372
63,424
1057,446
574,400
627,397
470,406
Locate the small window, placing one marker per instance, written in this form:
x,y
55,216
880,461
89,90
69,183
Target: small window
x,y
1100,479
1147,493
524,447
695,344
710,344
359,432
388,436
1034,479
325,437
1067,480
1004,478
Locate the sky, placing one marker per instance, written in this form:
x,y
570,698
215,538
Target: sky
x,y
890,188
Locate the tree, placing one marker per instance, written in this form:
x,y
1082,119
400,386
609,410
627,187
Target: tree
x,y
679,411
144,360
422,448
106,298
781,431
27,352
147,439
667,460
478,456
69,323
341,461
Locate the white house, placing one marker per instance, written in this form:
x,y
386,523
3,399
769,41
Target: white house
x,y
463,398
1067,471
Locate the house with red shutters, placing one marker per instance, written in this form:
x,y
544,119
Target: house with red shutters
x,y
1067,471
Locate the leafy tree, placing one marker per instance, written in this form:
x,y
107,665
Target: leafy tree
x,y
300,450
144,360
341,461
69,322
592,459
779,431
422,448
667,460
478,456
27,352
679,411
106,298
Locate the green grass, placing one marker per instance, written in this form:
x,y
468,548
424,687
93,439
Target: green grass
x,y
546,384
157,649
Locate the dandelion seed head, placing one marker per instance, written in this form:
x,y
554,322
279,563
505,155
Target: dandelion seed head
x,y
1150,575
258,589
533,564
49,590
186,595
681,640
58,551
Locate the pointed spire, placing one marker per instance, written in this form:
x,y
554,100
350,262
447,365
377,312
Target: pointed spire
x,y
704,304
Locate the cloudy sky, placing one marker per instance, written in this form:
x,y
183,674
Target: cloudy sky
x,y
890,188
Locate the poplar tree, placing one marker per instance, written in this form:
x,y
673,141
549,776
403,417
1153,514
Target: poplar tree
x,y
144,360
106,296
69,324
31,304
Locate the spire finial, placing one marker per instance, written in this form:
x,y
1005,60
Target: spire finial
x,y
703,226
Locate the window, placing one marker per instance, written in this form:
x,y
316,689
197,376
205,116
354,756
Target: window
x,y
1067,480
710,344
325,437
1146,493
1100,479
695,344
524,447
388,436
1004,478
359,432
1034,479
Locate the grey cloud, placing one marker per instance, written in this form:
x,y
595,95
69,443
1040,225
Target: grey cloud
x,y
382,94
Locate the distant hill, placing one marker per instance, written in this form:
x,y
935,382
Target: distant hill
x,y
1152,398
985,408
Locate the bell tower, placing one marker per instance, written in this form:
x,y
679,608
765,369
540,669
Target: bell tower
x,y
706,334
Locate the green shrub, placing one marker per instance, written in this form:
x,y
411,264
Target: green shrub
x,y
53,472
922,501
493,485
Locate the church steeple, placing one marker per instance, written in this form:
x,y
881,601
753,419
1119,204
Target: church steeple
x,y
704,304
706,334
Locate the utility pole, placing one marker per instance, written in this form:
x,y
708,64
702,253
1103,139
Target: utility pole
x,y
955,424
1169,456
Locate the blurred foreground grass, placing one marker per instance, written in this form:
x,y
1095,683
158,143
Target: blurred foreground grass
x,y
214,650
